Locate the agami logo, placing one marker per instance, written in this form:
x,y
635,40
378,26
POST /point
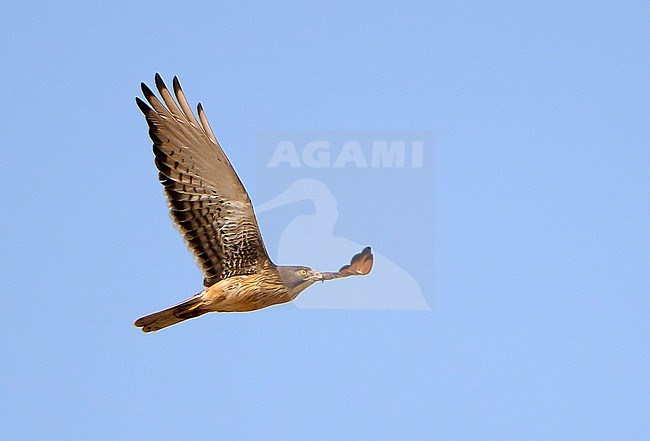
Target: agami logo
x,y
321,154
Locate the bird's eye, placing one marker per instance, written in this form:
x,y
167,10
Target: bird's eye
x,y
302,272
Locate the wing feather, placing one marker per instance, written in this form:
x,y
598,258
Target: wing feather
x,y
167,98
207,200
205,123
185,107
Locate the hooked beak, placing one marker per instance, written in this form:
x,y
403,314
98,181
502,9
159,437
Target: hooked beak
x,y
318,276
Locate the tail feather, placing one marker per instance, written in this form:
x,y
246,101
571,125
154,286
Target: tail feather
x,y
185,310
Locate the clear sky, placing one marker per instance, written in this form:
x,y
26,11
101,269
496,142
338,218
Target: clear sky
x,y
526,227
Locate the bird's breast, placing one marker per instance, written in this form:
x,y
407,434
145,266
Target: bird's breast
x,y
246,293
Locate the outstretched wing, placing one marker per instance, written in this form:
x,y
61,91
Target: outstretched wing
x,y
207,201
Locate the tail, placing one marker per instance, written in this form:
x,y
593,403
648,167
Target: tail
x,y
187,309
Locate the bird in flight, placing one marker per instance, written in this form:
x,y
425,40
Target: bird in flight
x,y
213,212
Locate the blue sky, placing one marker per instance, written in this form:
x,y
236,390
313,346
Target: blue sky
x,y
527,229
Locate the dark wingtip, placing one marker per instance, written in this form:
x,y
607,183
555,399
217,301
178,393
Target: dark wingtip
x,y
145,89
177,84
199,107
160,84
366,250
142,105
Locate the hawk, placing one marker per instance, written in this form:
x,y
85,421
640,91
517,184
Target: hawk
x,y
213,212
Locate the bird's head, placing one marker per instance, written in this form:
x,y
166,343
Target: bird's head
x,y
297,278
